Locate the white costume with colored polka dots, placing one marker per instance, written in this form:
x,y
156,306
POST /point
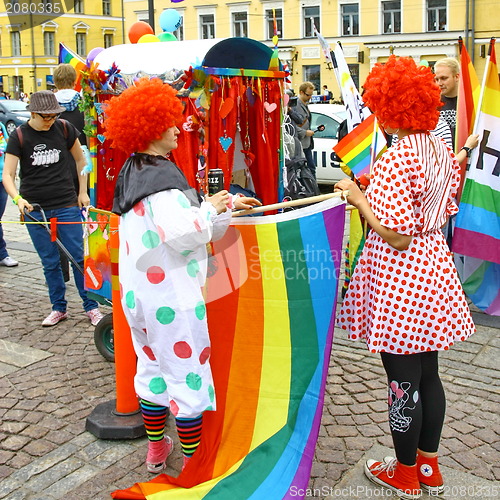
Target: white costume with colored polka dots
x,y
409,301
162,269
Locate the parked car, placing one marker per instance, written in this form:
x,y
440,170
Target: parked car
x,y
13,113
331,116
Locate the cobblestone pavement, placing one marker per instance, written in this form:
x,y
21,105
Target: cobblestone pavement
x,y
52,378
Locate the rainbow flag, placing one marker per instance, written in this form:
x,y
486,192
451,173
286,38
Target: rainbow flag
x,y
477,229
67,56
356,148
467,103
468,97
271,308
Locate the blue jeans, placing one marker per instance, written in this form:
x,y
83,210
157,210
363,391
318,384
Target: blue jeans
x,y
71,236
3,202
308,153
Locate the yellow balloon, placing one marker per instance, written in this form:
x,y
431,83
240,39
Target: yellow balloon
x,y
275,39
148,38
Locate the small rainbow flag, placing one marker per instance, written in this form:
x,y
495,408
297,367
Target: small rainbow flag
x,y
271,310
67,56
355,149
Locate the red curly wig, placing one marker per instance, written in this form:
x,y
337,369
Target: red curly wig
x,y
141,114
403,95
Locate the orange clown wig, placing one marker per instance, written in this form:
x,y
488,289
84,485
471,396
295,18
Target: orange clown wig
x,y
141,114
403,95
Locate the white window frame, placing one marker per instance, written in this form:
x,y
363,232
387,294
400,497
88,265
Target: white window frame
x,y
306,19
382,20
15,43
206,11
341,30
436,10
49,42
269,6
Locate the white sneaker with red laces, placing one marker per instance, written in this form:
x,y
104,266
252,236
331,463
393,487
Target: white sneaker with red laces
x,y
54,317
94,315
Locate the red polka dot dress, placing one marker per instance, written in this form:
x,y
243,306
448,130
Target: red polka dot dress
x,y
409,301
162,270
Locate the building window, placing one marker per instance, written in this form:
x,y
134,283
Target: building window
x,y
391,12
106,7
311,19
240,24
48,43
436,15
78,6
354,70
350,19
270,15
207,26
15,43
81,44
179,32
108,40
312,74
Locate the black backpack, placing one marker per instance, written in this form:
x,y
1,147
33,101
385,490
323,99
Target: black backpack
x,y
300,180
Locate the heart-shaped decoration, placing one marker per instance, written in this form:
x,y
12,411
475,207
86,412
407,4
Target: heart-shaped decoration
x,y
250,96
101,138
248,161
286,100
92,226
103,221
270,107
98,107
225,142
226,107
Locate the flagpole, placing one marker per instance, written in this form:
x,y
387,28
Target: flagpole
x,y
373,151
291,203
483,87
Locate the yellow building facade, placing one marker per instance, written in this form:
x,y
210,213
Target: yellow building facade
x,y
30,33
369,30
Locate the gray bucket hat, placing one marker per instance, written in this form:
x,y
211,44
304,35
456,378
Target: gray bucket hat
x,y
44,101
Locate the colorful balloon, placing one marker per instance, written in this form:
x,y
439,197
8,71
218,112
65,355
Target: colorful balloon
x,y
92,54
170,20
167,37
139,29
148,38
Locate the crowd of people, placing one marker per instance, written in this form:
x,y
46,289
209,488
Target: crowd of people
x,y
404,299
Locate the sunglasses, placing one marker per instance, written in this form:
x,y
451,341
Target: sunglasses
x,y
49,117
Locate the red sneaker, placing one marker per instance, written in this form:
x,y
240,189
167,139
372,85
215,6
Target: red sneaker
x,y
399,478
429,476
158,452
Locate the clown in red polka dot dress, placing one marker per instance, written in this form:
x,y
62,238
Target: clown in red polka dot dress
x,y
411,300
162,268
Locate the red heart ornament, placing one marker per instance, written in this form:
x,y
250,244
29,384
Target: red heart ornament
x,y
226,107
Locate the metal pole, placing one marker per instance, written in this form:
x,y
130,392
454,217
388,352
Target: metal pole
x,y
33,58
151,11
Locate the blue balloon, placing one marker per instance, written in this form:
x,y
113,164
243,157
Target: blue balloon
x,y
170,20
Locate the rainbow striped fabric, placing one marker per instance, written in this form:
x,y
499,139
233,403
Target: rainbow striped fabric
x,y
271,306
477,229
67,56
355,149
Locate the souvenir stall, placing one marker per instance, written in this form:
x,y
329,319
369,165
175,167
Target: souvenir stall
x,y
232,92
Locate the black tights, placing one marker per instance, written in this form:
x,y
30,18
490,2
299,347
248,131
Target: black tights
x,y
416,403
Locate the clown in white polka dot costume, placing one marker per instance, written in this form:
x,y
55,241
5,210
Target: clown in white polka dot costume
x,y
165,226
